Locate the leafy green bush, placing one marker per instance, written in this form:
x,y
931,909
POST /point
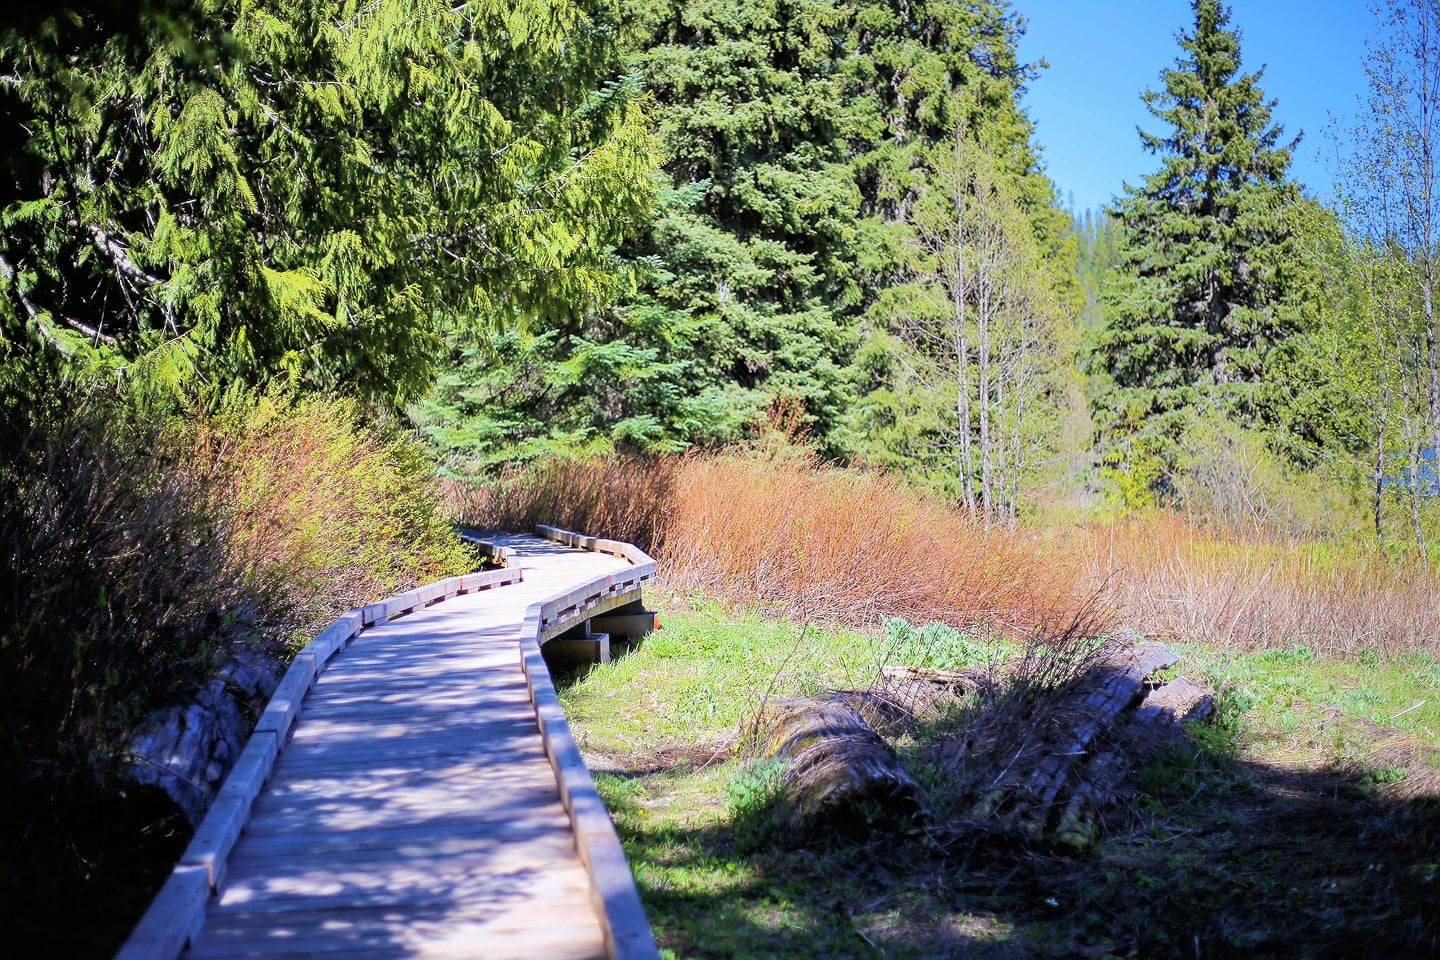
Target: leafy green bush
x,y
936,645
1229,477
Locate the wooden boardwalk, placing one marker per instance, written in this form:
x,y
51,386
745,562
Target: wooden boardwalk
x,y
414,811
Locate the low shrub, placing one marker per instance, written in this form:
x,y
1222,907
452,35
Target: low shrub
x,y
115,586
1228,478
797,538
132,554
325,511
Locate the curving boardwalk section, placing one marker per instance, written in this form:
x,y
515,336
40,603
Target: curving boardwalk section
x,y
416,810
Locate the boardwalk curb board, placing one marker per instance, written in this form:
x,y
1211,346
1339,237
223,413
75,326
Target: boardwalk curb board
x,y
179,911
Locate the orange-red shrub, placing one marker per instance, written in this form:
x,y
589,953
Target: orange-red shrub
x,y
324,512
798,538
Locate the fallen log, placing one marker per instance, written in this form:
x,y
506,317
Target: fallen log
x,y
1052,784
837,768
1167,708
969,680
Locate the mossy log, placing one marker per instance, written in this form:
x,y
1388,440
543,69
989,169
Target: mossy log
x,y
838,768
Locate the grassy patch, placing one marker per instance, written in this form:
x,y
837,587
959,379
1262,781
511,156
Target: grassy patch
x,y
695,680
1273,837
1281,690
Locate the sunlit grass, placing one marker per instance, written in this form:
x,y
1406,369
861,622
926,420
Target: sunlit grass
x,y
705,671
1281,687
1208,844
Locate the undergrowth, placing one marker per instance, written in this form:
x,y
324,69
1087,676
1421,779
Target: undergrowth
x,y
325,510
133,553
777,531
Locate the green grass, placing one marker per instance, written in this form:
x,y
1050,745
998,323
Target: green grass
x,y
1279,837
1278,690
707,669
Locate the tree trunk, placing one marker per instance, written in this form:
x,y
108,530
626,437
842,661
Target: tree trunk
x,y
1380,473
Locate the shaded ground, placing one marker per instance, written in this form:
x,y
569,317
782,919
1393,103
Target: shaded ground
x,y
1218,858
79,864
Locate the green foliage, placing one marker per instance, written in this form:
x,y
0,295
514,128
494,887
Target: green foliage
x,y
955,199
752,800
301,192
739,283
936,645
970,373
1229,476
1097,235
798,136
1208,289
326,510
1327,377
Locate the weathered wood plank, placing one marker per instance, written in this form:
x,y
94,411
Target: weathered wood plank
x,y
226,819
547,835
555,943
414,809
174,918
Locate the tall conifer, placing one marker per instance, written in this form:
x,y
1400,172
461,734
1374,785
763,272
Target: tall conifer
x,y
1205,292
223,194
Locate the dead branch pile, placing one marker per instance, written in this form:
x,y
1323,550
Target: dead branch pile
x,y
1045,765
1036,749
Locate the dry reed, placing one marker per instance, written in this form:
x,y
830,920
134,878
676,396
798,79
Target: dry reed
x,y
1173,579
793,537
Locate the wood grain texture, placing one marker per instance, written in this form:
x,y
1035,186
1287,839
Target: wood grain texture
x,y
413,809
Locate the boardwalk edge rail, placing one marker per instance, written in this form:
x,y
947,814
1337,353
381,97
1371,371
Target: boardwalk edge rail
x,y
612,884
177,914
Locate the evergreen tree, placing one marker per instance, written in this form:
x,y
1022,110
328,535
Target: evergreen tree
x,y
740,293
799,137
199,196
1207,289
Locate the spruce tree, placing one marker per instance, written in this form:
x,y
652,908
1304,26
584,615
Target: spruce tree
x,y
1207,288
800,138
741,295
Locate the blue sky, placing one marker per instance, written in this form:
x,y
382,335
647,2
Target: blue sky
x,y
1103,54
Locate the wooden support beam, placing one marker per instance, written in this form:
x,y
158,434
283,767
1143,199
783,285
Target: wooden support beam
x,y
627,625
567,652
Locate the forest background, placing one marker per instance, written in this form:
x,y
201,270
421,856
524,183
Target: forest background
x,y
247,248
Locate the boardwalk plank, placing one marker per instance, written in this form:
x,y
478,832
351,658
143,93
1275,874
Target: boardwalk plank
x,y
413,811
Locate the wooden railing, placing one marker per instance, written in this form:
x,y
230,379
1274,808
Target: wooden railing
x,y
612,885
177,914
